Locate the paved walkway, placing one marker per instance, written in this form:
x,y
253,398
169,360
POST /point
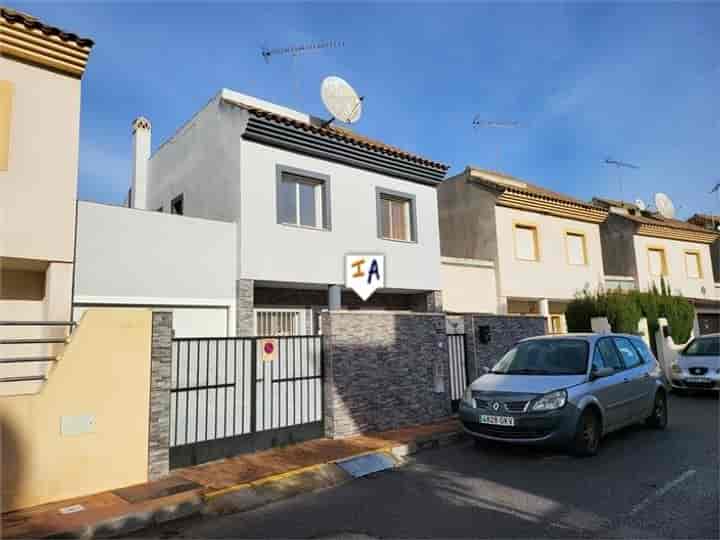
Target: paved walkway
x,y
184,490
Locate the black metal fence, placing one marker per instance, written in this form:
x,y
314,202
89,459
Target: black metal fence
x,y
229,396
458,367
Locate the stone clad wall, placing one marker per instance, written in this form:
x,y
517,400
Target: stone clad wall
x,y
160,381
383,370
505,331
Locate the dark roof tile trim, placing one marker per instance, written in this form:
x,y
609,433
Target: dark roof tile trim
x,y
33,23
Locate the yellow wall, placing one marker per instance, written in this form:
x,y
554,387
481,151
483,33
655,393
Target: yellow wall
x,y
6,94
105,372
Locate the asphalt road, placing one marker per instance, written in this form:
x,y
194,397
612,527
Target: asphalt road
x,y
643,484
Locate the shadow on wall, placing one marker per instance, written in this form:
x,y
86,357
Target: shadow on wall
x,y
11,459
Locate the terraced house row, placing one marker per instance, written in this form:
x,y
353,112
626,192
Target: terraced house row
x,y
240,221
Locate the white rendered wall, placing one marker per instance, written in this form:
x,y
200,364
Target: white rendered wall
x,y
550,277
275,252
675,256
468,286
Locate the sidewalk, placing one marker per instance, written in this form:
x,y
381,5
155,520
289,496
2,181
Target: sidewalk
x,y
228,485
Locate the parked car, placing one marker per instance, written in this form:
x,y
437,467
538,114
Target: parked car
x,y
568,390
698,365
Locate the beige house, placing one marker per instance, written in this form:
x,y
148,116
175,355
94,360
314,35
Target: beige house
x,y
641,248
40,80
512,247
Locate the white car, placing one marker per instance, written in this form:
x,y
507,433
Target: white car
x,y
698,365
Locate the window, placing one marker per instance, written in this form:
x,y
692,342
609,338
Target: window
x,y
692,265
177,206
6,95
606,355
704,346
279,322
657,263
526,242
576,248
645,353
629,355
302,200
396,216
545,357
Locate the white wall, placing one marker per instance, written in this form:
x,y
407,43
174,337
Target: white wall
x,y
468,286
137,257
677,275
552,276
275,252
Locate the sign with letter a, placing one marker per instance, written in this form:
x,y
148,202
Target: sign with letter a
x,y
364,274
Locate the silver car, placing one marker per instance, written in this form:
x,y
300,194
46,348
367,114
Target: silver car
x,y
568,390
698,365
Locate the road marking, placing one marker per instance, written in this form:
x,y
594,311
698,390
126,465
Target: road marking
x,y
662,491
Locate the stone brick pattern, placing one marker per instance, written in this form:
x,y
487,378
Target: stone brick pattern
x,y
505,331
380,370
160,380
245,303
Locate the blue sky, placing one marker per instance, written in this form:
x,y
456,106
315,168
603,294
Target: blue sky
x,y
636,82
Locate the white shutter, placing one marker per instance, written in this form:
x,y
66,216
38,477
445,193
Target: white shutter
x,y
525,243
692,263
576,249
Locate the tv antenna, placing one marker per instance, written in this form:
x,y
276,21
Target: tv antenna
x,y
479,122
664,205
340,100
296,50
640,204
620,165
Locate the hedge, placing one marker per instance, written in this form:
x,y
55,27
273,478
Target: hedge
x,y
625,309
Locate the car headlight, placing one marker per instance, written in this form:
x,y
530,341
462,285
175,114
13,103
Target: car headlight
x,y
551,401
468,397
675,368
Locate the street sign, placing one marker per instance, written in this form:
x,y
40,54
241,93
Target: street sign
x,y
269,349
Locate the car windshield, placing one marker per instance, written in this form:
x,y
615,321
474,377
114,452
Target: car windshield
x,y
545,357
709,346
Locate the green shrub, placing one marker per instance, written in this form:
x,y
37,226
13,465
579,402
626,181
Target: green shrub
x,y
625,309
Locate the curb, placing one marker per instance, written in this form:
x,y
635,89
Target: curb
x,y
251,495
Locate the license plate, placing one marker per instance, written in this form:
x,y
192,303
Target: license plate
x,y
697,380
497,420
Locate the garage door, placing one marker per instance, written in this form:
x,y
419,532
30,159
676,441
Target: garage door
x,y
187,322
709,323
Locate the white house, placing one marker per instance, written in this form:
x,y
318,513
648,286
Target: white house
x,y
299,194
640,248
512,247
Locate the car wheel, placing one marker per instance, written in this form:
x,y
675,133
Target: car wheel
x,y
659,416
587,434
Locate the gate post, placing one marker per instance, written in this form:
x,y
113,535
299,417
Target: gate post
x,y
160,380
470,348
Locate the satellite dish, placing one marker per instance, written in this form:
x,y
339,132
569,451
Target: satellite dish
x,y
640,204
665,205
341,100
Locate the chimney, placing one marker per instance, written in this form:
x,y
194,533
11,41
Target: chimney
x,y
141,156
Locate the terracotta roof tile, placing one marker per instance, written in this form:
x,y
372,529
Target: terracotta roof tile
x,y
345,136
33,23
651,218
522,186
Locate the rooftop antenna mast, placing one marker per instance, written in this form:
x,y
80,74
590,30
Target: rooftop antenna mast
x,y
481,123
618,165
296,50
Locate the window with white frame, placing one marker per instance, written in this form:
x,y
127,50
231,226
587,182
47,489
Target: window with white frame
x,y
526,242
692,265
396,216
575,244
302,201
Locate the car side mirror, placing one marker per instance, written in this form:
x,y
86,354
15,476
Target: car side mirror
x,y
485,369
600,373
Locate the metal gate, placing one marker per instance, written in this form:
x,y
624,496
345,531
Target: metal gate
x,y
458,368
226,398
